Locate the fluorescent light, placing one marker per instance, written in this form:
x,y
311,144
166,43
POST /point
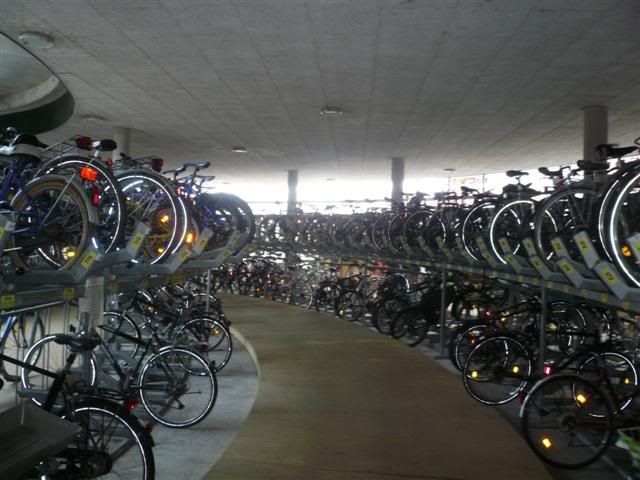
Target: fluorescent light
x,y
331,111
239,149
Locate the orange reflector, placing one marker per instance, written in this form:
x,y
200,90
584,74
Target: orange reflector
x,y
164,218
190,237
546,442
581,398
627,381
89,174
626,251
160,249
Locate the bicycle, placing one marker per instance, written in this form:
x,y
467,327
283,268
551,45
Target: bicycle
x,y
111,440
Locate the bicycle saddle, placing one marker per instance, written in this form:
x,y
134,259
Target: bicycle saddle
x,y
175,170
515,173
550,173
198,165
468,189
609,150
589,166
106,145
24,144
205,178
76,343
27,139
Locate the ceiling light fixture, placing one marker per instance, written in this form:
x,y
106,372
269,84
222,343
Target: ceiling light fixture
x,y
36,40
239,149
331,111
331,179
449,169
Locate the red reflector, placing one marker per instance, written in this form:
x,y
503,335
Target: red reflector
x,y
156,164
84,143
109,162
131,405
89,174
96,199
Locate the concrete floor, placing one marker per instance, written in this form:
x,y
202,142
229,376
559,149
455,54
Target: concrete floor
x,y
336,401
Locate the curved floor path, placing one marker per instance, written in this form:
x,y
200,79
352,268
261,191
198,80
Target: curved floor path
x,y
338,401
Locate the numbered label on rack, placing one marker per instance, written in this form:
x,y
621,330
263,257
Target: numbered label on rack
x,y
69,293
587,250
137,239
7,301
559,247
611,278
88,259
504,245
529,246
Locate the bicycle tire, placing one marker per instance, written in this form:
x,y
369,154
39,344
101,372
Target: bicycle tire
x,y
174,370
112,210
497,371
208,337
13,342
63,246
557,422
111,442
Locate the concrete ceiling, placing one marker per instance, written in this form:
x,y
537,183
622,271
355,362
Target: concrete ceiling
x,y
480,86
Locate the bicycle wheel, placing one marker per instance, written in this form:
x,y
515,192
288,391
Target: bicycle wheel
x,y
410,326
512,221
49,355
177,387
466,341
208,337
302,294
19,333
110,444
559,423
620,223
123,324
382,316
562,215
350,305
475,224
497,370
150,199
102,188
54,224
617,369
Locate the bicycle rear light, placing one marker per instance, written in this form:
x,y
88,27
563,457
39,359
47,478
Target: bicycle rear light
x,y
89,174
84,143
156,164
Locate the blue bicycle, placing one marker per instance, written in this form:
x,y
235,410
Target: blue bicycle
x,y
54,220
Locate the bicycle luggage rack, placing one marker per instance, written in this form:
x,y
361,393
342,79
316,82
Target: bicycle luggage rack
x,y
27,435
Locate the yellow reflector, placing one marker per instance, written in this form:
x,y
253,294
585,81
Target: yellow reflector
x,y
581,398
626,251
474,374
160,249
164,218
67,253
627,381
190,237
516,369
546,442
503,319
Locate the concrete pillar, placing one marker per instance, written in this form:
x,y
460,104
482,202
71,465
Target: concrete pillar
x,y
293,192
122,136
595,130
397,178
